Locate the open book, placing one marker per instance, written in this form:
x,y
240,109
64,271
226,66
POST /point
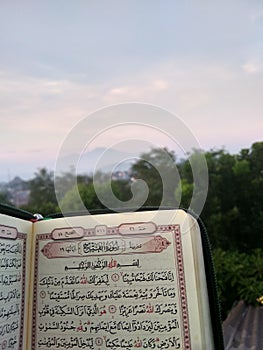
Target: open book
x,y
110,281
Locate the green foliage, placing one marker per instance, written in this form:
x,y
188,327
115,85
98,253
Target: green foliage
x,y
42,193
158,169
233,212
184,193
88,196
239,276
4,197
193,181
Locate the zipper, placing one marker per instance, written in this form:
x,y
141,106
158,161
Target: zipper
x,y
214,304
17,213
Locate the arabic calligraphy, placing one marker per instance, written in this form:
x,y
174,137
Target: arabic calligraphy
x,y
10,279
8,232
9,295
7,263
106,293
10,248
95,310
137,228
104,279
152,276
11,284
87,247
112,294
101,264
171,342
65,233
112,327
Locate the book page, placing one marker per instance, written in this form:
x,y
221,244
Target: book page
x,y
14,275
119,281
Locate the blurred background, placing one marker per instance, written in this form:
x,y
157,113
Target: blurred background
x,y
61,61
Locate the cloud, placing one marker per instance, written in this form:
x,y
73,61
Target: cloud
x,y
212,99
252,67
136,90
185,86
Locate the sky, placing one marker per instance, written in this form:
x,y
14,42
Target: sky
x,y
62,61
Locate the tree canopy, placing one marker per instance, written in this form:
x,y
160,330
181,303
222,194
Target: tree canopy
x,y
232,213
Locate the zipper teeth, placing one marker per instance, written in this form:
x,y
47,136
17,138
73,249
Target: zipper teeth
x,y
215,308
109,211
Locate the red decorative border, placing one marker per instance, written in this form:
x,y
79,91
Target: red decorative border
x,y
186,339
182,290
23,237
33,334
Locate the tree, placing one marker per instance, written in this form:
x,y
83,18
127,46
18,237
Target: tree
x,y
239,277
192,190
248,171
4,197
42,193
158,169
233,211
219,212
101,196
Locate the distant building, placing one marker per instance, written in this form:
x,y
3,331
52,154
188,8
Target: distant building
x,y
17,192
121,175
20,198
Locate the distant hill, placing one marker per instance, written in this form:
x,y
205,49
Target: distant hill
x,y
100,159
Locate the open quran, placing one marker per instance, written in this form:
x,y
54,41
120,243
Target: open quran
x,y
133,280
